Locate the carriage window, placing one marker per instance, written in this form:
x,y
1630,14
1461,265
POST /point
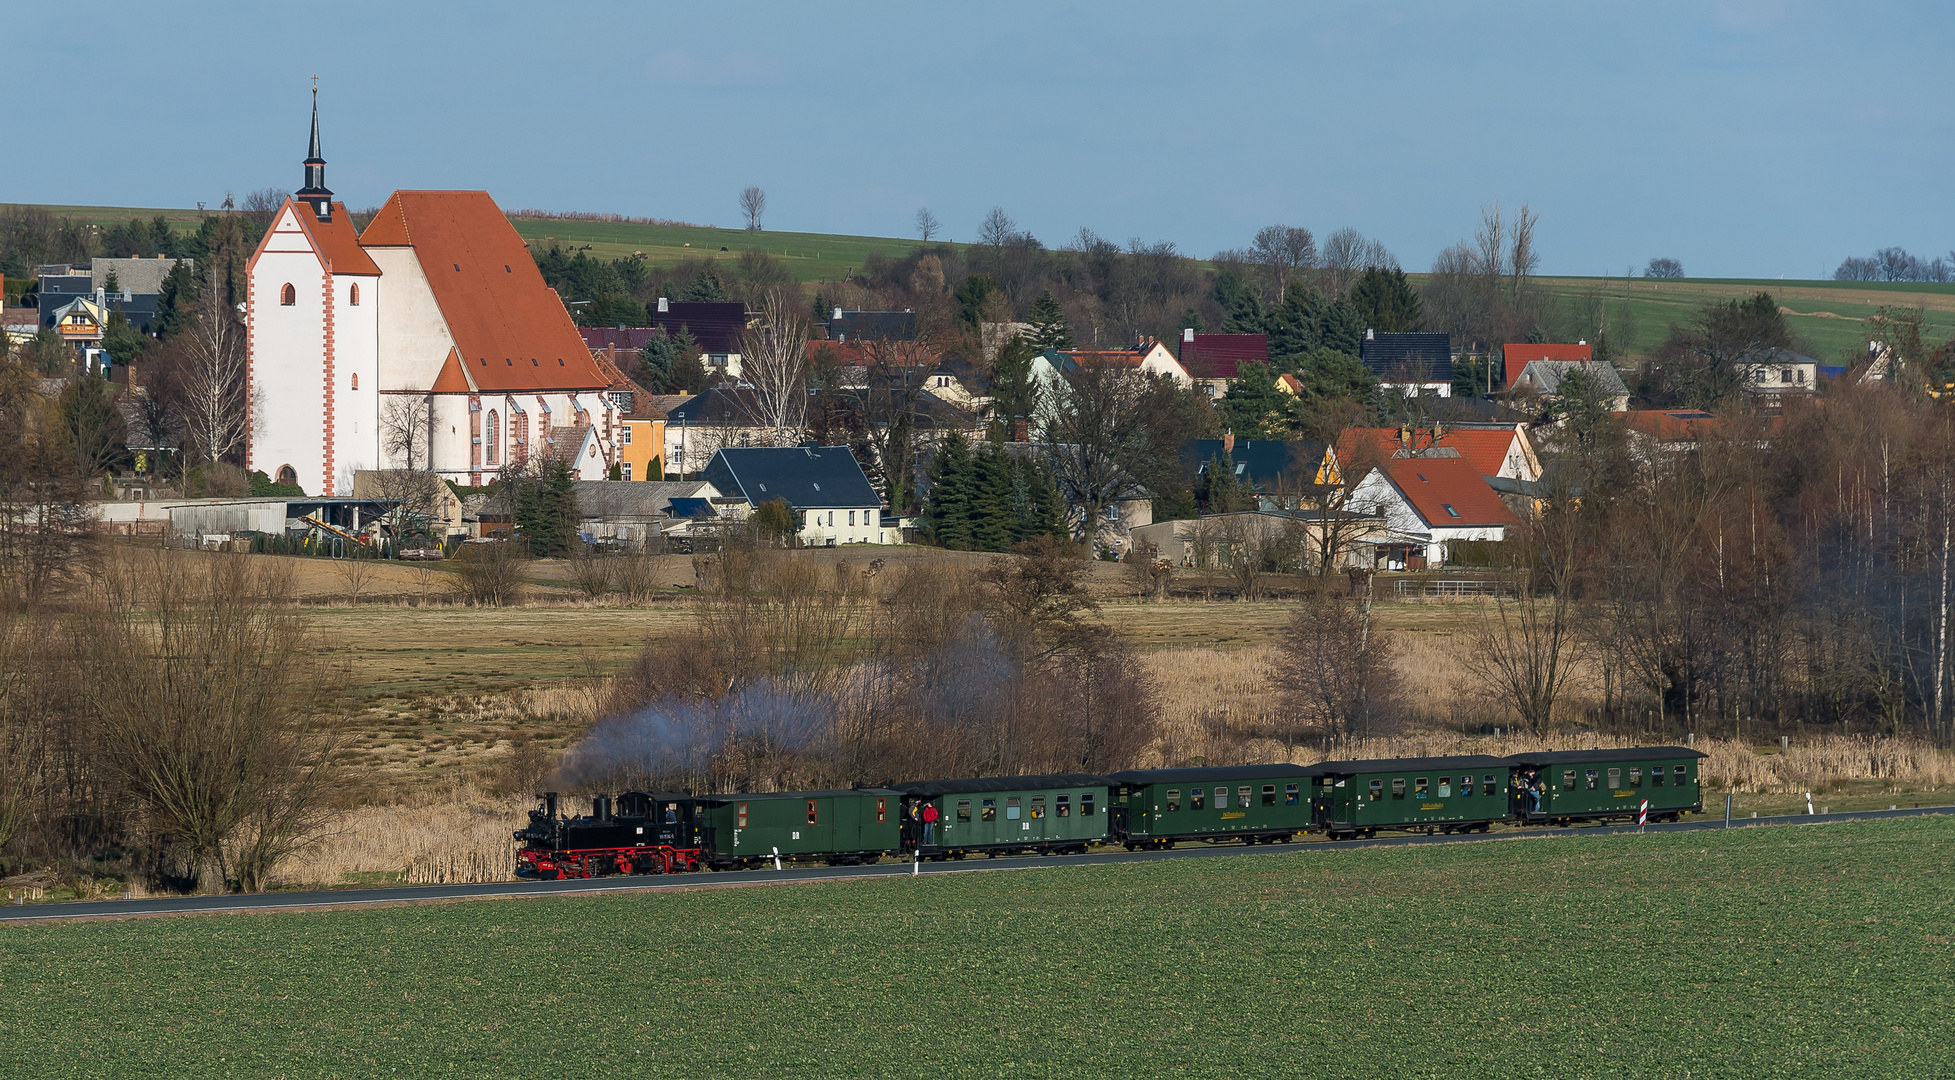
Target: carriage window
x,y
1615,779
1197,798
963,809
811,812
1289,794
1174,799
1221,798
882,809
1377,790
1445,787
1063,805
1635,776
1487,788
1682,776
990,811
1398,787
1038,807
1588,778
1656,776
1086,805
1269,794
1420,788
743,815
1011,808
1568,779
1242,797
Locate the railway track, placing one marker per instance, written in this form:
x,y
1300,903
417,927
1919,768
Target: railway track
x,y
411,894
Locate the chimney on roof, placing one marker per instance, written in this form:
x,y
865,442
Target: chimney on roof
x,y
1228,442
1188,335
838,314
1583,341
1370,334
664,305
1019,431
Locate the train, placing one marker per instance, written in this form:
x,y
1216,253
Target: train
x,y
666,832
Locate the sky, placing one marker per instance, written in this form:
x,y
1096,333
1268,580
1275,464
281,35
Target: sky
x,y
1746,138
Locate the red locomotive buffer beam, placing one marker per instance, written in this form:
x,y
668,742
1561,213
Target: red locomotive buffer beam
x,y
600,862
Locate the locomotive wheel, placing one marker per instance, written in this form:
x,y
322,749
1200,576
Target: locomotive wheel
x,y
958,855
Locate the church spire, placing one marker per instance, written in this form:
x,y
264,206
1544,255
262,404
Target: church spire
x,y
315,191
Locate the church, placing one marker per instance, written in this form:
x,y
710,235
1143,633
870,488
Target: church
x,y
426,341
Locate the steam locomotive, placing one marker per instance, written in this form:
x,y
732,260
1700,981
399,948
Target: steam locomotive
x,y
674,832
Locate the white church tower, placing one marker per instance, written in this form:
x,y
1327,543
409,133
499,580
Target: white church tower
x,y
313,341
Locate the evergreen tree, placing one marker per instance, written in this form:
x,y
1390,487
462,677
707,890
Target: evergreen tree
x,y
181,288
112,284
121,340
1218,491
1046,509
1385,302
1015,393
1254,408
705,288
970,297
948,510
991,491
1296,326
1328,373
1341,329
1049,328
1244,315
1191,319
546,509
1228,287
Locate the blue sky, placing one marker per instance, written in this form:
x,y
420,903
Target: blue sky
x,y
1746,138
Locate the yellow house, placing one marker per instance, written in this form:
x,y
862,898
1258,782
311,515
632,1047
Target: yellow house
x,y
641,439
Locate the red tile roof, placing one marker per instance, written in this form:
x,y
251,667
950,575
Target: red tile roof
x,y
512,329
1486,449
1517,357
1432,485
1290,383
335,240
1215,356
452,379
1671,425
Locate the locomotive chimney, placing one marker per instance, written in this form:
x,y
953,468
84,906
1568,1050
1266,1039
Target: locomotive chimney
x,y
550,805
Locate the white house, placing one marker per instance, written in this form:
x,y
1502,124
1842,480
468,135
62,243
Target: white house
x,y
823,487
428,341
1429,503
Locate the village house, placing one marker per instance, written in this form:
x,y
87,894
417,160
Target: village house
x,y
1493,449
1218,539
1413,364
1544,377
823,486
1276,472
1429,504
1211,360
1514,358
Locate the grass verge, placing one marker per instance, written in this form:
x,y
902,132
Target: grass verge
x,y
1820,951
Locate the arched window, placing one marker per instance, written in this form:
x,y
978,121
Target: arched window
x,y
354,296
288,295
494,440
356,380
287,474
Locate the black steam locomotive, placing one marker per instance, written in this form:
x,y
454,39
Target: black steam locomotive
x,y
639,833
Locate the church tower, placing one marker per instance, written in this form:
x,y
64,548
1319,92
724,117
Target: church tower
x,y
315,194
313,341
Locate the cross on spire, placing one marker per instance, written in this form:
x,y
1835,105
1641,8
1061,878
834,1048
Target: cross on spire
x,y
315,191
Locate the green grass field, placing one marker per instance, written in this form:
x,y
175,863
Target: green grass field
x,y
1818,951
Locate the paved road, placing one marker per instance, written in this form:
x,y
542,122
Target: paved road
x,y
340,898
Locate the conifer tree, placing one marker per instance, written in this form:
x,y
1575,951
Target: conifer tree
x,y
991,500
1385,302
1049,328
948,510
705,288
1254,407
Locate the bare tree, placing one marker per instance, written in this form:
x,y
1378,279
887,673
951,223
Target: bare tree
x,y
1095,429
1245,541
356,571
1337,676
1343,257
753,203
997,230
262,205
1283,250
1490,241
927,225
1524,652
213,711
1521,258
774,361
491,574
407,430
212,377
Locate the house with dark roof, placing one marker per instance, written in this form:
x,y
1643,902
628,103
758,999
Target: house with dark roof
x,y
1211,359
825,488
1428,504
719,328
871,326
1266,467
1414,364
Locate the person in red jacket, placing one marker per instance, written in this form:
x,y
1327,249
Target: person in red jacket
x,y
929,823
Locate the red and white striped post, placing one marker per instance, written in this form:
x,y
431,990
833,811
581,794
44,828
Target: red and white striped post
x,y
1643,814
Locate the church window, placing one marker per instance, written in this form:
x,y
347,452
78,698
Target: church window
x,y
353,297
495,436
288,295
287,474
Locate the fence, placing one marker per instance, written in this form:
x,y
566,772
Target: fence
x,y
1449,588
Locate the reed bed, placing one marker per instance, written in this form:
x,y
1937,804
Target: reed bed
x,y
452,836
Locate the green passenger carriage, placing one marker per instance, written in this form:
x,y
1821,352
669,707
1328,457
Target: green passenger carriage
x,y
1002,815
837,826
1465,793
1564,786
1251,803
